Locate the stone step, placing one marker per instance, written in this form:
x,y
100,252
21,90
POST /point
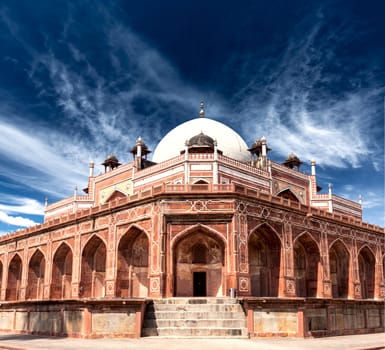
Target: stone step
x,y
195,300
195,307
194,315
191,323
195,332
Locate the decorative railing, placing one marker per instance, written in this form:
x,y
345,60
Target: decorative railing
x,y
165,189
346,202
120,169
243,166
160,166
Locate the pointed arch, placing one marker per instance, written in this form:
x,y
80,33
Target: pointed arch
x,y
366,268
307,265
132,265
198,254
62,272
37,252
36,271
198,227
91,238
135,228
287,193
340,241
267,229
366,247
308,237
264,256
200,182
339,261
93,268
115,195
14,278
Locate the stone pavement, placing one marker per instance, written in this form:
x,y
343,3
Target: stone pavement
x,y
352,342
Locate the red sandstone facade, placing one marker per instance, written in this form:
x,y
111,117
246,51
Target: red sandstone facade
x,y
197,225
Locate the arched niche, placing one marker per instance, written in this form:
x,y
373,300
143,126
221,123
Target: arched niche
x,y
93,269
264,249
339,260
115,195
288,194
201,182
307,267
198,264
36,270
132,269
62,273
366,267
14,278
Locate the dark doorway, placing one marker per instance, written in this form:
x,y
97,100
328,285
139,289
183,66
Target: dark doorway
x,y
199,280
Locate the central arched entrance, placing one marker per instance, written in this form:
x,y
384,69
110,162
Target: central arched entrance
x,y
198,265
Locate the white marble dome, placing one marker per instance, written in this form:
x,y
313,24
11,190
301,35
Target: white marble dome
x,y
228,141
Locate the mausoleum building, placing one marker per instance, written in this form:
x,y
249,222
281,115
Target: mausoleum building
x,y
206,217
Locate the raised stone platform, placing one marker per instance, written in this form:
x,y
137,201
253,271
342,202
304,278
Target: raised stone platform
x,y
195,317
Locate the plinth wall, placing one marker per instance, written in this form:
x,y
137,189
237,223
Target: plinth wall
x,y
84,319
313,318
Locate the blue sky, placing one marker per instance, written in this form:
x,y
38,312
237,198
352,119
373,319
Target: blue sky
x,y
80,80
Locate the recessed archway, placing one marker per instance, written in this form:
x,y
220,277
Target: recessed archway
x,y
306,266
366,266
198,264
14,278
264,262
36,270
62,273
132,269
339,260
93,269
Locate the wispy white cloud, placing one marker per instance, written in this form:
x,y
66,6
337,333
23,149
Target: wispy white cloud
x,y
373,200
13,204
33,161
16,220
90,100
285,101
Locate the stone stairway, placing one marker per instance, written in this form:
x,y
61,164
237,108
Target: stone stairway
x,y
195,317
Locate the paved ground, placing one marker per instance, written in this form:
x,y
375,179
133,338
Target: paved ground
x,y
352,342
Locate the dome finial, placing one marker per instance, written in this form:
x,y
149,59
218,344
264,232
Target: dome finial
x,y
202,111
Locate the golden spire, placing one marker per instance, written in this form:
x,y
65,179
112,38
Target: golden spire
x,y
202,111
